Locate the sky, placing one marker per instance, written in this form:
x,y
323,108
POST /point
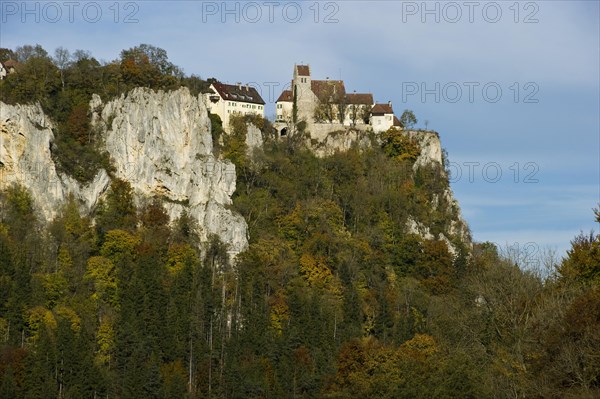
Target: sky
x,y
513,88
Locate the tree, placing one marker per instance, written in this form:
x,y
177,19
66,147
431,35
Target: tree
x,y
62,59
118,210
408,119
235,147
26,52
148,66
331,103
295,107
156,56
359,112
342,108
216,132
78,124
38,78
6,54
355,111
582,263
397,145
17,211
195,84
79,55
571,356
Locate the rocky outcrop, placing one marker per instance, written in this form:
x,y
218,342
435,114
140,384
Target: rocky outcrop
x,y
254,138
159,142
431,154
325,143
430,145
25,159
327,139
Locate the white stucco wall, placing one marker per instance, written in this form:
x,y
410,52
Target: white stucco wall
x,y
381,123
283,110
226,108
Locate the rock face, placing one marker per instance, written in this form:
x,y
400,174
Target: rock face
x,y
327,139
25,159
430,145
254,138
431,153
159,142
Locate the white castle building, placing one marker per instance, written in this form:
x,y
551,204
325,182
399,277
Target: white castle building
x,y
226,100
326,102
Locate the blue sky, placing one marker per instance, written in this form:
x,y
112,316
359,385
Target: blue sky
x,y
533,68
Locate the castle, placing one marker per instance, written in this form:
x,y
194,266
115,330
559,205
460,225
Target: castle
x,y
326,102
321,104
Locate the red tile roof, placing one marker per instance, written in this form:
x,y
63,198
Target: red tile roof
x,y
303,70
397,122
359,98
286,95
381,109
239,93
327,88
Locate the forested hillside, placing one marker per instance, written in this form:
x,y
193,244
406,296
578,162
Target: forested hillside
x,y
332,299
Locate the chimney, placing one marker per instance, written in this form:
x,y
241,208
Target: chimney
x,y
239,85
390,104
247,87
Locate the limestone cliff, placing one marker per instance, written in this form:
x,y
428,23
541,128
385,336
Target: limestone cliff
x,y
327,139
25,140
431,153
159,142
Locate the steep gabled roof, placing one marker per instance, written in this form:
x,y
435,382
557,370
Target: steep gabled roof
x,y
381,109
239,93
324,89
359,98
286,95
398,123
303,70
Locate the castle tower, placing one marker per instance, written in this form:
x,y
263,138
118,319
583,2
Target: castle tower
x,y
301,85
